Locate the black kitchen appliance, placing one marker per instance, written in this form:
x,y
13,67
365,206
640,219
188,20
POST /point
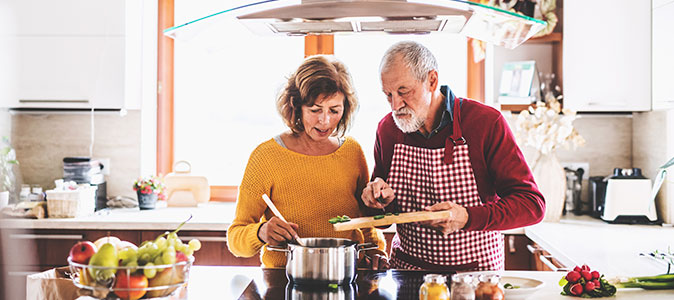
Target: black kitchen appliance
x,y
88,171
597,195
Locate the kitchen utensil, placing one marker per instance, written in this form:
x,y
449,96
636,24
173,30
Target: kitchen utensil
x,y
409,217
277,213
322,260
184,189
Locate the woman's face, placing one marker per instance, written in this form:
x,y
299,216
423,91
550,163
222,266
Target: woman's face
x,y
320,120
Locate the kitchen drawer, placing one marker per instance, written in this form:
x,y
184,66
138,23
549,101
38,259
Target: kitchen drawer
x,y
13,280
517,256
543,261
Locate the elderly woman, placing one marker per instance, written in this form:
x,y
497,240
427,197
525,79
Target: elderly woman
x,y
311,172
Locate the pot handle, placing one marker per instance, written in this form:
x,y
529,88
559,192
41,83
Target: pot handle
x,y
278,248
366,246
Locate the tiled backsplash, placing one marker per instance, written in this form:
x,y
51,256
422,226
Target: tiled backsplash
x,y
42,140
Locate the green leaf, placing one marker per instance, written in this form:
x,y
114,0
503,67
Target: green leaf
x,y
563,281
13,161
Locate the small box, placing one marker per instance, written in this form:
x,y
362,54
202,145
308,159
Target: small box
x,y
71,203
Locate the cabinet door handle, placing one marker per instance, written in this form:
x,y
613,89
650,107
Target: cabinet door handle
x,y
205,238
46,236
511,245
52,101
533,249
20,273
546,260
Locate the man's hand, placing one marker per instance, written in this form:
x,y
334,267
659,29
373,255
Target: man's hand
x,y
377,262
377,194
276,232
447,226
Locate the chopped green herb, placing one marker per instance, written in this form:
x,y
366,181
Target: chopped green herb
x,y
389,214
396,214
334,221
333,286
345,218
377,217
509,286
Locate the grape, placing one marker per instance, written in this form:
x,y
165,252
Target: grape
x,y
181,247
172,238
149,270
161,242
169,256
133,264
153,249
158,260
144,258
189,252
195,245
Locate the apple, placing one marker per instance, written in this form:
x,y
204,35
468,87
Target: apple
x,y
180,257
107,239
130,287
82,252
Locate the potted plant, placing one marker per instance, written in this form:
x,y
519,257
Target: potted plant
x,y
8,184
149,189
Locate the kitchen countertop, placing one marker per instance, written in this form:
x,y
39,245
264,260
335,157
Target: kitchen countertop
x,y
210,216
258,283
215,216
610,248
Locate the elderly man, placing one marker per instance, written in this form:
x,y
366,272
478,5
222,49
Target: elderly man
x,y
434,152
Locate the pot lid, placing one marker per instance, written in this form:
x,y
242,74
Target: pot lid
x,y
307,17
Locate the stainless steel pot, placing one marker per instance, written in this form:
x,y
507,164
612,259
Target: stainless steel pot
x,y
317,292
322,260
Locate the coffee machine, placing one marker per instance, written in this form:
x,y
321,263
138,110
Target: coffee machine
x,y
624,198
88,171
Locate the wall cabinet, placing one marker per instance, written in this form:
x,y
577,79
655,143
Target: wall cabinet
x,y
663,60
607,56
69,54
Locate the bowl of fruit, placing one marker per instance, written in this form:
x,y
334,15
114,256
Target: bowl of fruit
x,y
112,268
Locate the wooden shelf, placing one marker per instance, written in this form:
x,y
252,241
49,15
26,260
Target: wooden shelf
x,y
554,37
514,107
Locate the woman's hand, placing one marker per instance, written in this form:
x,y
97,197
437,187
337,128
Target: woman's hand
x,y
378,262
377,194
276,232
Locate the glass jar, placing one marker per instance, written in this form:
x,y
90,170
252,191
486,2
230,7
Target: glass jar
x,y
434,288
488,288
24,195
462,287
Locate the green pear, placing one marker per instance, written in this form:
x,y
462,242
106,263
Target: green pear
x,y
105,257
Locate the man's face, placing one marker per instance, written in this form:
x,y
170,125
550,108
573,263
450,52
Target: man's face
x,y
409,98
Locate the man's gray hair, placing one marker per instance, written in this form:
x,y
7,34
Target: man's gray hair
x,y
418,58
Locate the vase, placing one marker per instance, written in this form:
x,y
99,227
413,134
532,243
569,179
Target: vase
x,y
146,201
551,180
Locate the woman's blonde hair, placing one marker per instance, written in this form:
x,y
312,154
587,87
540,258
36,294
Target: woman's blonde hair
x,y
317,76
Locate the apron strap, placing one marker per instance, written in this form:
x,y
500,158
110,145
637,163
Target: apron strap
x,y
457,137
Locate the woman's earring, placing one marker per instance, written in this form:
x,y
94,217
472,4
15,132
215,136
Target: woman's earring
x,y
298,122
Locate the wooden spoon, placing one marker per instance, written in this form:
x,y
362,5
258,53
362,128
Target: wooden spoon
x,y
278,214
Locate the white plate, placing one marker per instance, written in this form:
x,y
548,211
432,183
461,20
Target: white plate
x,y
527,287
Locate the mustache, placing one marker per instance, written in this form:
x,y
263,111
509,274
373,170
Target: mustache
x,y
403,111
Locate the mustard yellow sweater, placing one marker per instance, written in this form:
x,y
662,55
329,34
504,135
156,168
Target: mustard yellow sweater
x,y
307,190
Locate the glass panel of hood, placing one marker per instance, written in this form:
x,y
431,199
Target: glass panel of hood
x,y
286,17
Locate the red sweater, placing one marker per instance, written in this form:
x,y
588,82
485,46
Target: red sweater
x,y
504,180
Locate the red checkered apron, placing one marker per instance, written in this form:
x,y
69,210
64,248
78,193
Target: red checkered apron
x,y
422,177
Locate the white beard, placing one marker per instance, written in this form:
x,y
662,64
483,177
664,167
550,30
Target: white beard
x,y
412,124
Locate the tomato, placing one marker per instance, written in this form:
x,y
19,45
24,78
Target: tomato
x,y
123,281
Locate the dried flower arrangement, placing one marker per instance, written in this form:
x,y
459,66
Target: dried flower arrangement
x,y
544,128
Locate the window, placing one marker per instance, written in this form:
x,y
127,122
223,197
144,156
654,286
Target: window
x,y
225,90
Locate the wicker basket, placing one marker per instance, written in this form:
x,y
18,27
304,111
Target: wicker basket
x,y
71,204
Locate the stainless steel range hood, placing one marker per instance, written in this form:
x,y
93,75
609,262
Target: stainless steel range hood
x,y
296,17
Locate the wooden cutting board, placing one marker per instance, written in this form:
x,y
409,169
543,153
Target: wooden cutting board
x,y
409,217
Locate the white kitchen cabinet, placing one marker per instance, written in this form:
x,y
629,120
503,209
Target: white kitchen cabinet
x,y
607,55
662,51
69,54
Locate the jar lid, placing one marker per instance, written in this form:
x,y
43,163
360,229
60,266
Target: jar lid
x,y
462,278
435,278
490,278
